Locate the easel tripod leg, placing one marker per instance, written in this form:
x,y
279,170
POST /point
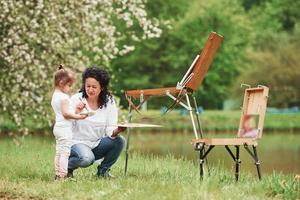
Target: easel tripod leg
x,y
200,129
237,163
127,142
126,153
201,161
257,163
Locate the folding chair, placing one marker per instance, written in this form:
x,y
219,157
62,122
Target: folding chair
x,y
250,130
190,82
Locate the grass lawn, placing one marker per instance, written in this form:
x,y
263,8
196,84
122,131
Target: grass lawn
x,y
27,172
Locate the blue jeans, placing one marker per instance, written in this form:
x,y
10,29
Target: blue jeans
x,y
84,156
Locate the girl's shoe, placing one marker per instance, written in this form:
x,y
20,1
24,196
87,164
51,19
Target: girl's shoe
x,y
58,178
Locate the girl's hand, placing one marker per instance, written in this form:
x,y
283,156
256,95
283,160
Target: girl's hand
x,y
82,116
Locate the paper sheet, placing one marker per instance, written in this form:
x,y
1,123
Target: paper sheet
x,y
138,125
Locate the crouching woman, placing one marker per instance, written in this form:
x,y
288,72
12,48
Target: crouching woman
x,y
97,136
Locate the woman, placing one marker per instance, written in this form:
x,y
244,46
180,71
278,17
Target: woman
x,y
96,136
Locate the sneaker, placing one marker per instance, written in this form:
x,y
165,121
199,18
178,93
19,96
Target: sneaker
x,y
106,174
70,173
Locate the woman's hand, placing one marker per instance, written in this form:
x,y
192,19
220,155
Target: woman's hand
x,y
79,107
69,115
117,131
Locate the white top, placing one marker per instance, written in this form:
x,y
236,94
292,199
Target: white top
x,y
92,129
56,101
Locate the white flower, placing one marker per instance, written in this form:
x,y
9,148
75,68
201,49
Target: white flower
x,y
39,35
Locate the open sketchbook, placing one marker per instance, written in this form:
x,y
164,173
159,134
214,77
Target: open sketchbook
x,y
130,125
137,125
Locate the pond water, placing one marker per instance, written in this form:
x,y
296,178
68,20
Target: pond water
x,y
278,152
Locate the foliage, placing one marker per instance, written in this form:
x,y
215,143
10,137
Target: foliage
x,y
162,62
274,16
274,60
36,36
278,68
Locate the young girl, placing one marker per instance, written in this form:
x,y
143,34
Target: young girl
x,y
63,80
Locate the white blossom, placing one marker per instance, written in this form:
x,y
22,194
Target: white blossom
x,y
38,35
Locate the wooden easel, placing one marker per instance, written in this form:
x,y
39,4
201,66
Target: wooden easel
x,y
190,82
253,111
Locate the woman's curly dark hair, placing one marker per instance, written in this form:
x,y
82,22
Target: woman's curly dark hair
x,y
103,78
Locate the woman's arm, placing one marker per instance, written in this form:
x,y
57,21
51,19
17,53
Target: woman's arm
x,y
117,131
79,107
112,119
76,105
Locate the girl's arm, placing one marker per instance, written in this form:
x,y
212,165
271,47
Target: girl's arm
x,y
67,114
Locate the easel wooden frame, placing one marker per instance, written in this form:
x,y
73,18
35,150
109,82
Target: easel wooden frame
x,y
254,104
189,83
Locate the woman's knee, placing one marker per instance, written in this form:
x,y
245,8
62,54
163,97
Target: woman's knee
x,y
86,160
85,156
120,141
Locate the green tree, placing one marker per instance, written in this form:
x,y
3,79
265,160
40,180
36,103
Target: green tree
x,y
278,68
274,60
273,17
162,62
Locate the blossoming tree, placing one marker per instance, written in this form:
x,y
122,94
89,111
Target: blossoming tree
x,y
36,36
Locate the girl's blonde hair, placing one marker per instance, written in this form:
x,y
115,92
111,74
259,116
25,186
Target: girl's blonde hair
x,y
63,75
